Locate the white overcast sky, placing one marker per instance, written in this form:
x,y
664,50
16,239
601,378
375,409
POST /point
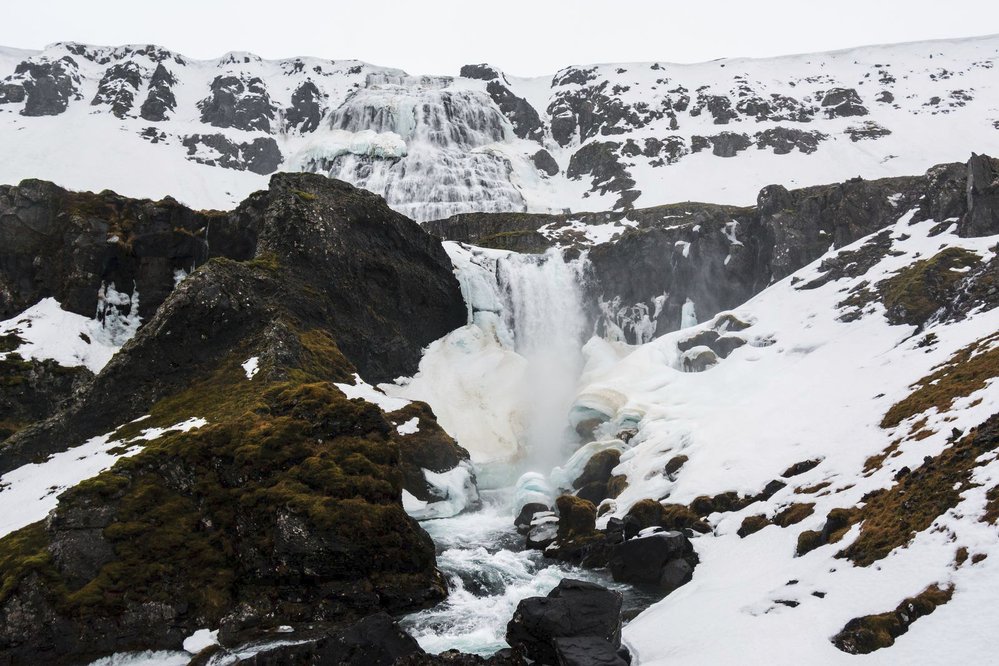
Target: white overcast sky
x,y
522,37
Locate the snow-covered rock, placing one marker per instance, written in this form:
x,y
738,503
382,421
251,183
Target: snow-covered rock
x,y
146,121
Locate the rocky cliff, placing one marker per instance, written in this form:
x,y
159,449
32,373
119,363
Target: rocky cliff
x,y
253,488
589,137
648,265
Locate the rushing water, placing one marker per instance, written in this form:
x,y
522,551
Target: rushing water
x,y
489,572
543,307
534,306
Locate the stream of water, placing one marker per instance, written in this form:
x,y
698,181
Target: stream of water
x,y
534,303
489,571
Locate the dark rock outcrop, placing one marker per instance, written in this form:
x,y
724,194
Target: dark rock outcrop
x,y
381,311
31,390
982,218
785,139
118,88
599,160
374,641
663,559
719,256
261,156
843,103
726,144
160,101
545,163
306,110
286,506
574,609
66,245
45,86
524,118
244,105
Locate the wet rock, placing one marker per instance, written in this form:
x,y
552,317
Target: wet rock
x,y
588,651
430,448
526,516
843,103
505,657
665,559
573,609
576,517
598,468
376,640
542,535
160,101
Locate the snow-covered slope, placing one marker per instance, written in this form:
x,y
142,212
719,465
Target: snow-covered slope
x,y
149,122
825,378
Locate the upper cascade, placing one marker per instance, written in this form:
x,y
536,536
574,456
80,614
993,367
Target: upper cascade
x,y
146,121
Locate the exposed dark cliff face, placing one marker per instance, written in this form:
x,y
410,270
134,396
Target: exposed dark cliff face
x,y
381,285
233,102
160,101
46,87
720,256
67,244
285,506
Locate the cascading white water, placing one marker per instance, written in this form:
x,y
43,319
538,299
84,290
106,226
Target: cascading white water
x,y
518,361
543,309
421,144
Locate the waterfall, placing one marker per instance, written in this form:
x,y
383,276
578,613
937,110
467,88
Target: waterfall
x,y
543,309
430,149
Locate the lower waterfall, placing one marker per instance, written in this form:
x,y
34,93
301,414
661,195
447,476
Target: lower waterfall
x,y
528,311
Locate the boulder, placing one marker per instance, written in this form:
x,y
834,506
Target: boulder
x,y
665,559
573,609
526,516
376,640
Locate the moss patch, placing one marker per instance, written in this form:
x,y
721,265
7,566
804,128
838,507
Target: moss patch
x,y
752,525
969,370
919,290
892,517
866,634
289,487
793,514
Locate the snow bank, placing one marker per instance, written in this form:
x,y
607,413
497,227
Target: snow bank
x,y
71,340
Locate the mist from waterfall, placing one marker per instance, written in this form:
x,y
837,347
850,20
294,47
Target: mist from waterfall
x,y
544,311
